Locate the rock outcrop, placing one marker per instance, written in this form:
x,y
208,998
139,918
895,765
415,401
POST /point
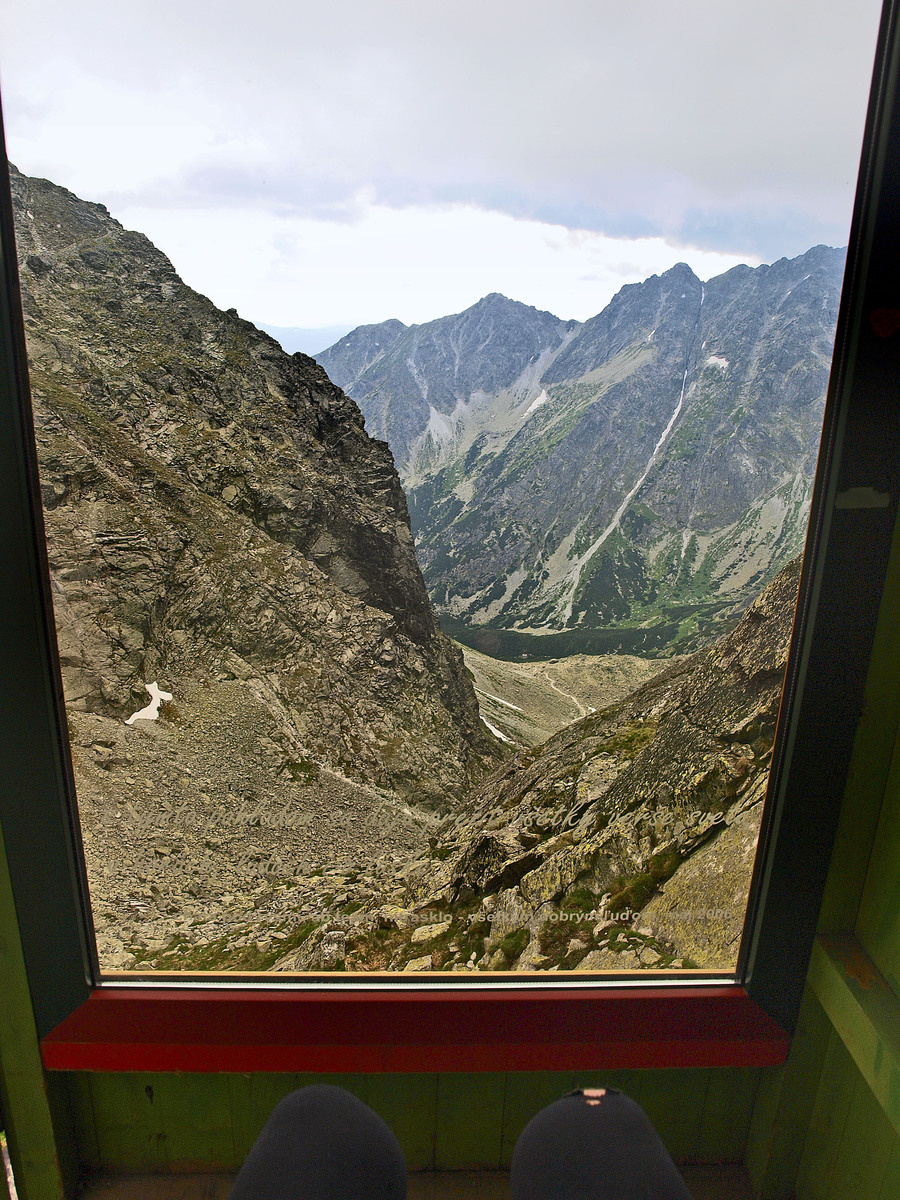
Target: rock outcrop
x,y
625,842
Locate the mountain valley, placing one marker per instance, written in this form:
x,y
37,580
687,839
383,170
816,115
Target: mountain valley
x,y
625,842
524,703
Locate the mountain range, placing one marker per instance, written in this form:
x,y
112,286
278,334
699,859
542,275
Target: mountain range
x,y
626,482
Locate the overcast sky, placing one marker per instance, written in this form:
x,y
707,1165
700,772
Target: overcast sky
x,y
314,164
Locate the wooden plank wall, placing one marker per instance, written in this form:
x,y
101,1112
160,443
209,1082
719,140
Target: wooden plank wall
x,y
851,1149
180,1122
826,1126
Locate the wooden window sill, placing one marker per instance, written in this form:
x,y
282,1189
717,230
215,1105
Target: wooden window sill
x,y
210,1028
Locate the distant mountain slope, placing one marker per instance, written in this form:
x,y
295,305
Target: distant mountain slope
x,y
427,389
294,338
651,467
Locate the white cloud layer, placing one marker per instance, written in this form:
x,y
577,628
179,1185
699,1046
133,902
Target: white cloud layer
x,y
731,127
415,264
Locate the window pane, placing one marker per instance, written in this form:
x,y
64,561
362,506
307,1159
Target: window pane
x,y
281,762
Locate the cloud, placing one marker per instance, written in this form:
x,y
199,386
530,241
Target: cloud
x,y
416,263
734,128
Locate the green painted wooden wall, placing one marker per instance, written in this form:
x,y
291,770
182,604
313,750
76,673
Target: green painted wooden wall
x,y
178,1122
851,1150
826,1126
878,922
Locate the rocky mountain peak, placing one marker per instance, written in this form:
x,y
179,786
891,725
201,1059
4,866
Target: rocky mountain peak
x,y
649,467
493,298
679,271
414,390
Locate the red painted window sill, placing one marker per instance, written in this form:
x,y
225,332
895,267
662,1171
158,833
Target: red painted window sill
x,y
421,1029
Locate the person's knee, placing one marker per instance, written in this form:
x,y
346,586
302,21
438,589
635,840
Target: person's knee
x,y
592,1145
322,1142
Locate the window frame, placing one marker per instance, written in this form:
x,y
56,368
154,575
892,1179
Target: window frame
x,y
242,1022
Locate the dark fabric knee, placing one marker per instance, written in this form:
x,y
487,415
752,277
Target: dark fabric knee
x,y
586,1147
322,1143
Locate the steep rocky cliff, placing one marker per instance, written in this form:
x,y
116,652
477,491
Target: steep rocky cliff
x,y
646,470
219,522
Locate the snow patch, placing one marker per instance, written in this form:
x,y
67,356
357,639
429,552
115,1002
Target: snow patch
x,y
497,700
715,360
536,403
151,712
497,732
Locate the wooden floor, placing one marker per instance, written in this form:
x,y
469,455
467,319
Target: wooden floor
x,y
705,1183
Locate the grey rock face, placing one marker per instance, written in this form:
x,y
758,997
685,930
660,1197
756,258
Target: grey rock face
x,y
360,350
651,467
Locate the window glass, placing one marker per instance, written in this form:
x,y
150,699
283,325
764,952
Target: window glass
x,y
580,272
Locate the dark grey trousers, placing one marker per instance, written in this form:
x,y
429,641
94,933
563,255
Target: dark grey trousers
x,y
321,1143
